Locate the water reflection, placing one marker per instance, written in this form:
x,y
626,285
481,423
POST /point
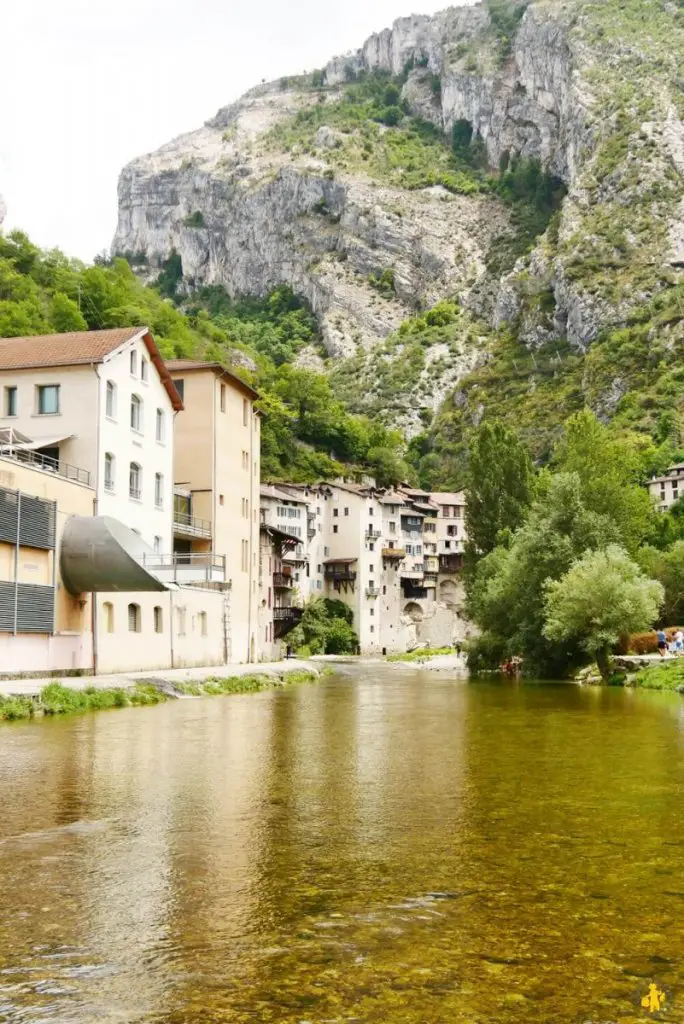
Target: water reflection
x,y
398,847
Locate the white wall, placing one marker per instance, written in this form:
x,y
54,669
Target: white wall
x,y
181,643
127,445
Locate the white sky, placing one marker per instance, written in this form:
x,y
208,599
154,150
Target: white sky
x,y
90,84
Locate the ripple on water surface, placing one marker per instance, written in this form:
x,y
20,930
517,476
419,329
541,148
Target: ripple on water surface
x,y
398,848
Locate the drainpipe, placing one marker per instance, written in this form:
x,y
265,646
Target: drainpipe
x,y
251,534
171,627
96,508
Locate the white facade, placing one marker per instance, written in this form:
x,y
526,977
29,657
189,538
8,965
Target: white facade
x,y
668,489
379,553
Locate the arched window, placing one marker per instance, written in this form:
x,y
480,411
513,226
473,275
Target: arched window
x,y
134,624
158,620
135,481
110,400
108,609
136,413
202,622
109,471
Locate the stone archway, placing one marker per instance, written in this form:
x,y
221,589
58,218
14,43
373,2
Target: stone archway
x,y
414,611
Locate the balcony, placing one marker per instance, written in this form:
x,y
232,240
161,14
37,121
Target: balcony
x,y
37,461
188,526
431,564
282,581
311,524
398,553
285,620
414,574
197,567
451,563
372,591
372,534
339,574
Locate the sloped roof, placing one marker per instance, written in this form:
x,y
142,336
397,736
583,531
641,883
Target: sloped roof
x,y
68,349
188,365
79,348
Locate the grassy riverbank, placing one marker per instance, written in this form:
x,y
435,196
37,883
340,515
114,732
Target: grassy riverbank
x,y
668,676
422,654
56,699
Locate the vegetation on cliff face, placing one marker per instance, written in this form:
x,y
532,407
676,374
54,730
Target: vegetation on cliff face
x,y
307,433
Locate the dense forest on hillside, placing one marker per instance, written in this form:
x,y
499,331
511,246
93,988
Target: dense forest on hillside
x,y
307,434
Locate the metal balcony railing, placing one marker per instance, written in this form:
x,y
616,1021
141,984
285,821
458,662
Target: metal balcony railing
x,y
372,534
372,591
339,575
44,462
135,493
287,614
190,567
282,581
189,526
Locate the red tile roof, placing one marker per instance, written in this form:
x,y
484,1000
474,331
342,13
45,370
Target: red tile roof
x,y
78,348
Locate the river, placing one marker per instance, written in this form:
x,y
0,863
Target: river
x,y
390,846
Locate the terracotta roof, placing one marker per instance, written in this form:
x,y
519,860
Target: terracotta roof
x,y
178,366
63,349
78,348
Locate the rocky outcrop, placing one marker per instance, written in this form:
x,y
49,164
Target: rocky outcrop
x,y
247,205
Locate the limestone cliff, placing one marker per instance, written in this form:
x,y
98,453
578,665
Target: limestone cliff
x,y
277,188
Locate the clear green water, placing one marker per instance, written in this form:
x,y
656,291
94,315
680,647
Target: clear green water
x,y
396,848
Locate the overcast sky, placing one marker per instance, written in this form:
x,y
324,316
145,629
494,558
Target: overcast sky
x,y
90,84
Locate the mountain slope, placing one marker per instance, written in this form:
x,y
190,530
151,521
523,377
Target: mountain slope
x,y
407,173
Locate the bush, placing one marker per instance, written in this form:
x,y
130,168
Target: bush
x,y
194,220
13,709
647,643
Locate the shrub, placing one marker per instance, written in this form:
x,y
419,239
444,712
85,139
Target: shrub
x,y
13,709
194,220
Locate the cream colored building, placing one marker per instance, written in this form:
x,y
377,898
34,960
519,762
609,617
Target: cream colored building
x,y
43,628
669,488
378,551
217,479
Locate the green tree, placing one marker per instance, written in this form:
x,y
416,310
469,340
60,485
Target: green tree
x,y
668,568
499,486
507,594
65,314
603,596
610,471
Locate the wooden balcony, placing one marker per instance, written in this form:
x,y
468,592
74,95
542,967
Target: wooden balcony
x,y
398,553
282,581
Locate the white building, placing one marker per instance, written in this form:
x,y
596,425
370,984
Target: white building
x,y
668,489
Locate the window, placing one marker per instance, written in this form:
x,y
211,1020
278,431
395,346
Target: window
x,y
245,412
393,527
48,400
108,610
371,611
134,618
346,511
319,568
223,398
372,629
110,400
452,531
336,513
134,363
245,556
157,545
160,426
319,585
10,401
158,620
370,511
135,481
180,621
447,544
202,622
409,549
136,413
335,529
245,508
419,549
143,369
159,490
384,590
326,552
222,500
180,388
371,547
109,474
